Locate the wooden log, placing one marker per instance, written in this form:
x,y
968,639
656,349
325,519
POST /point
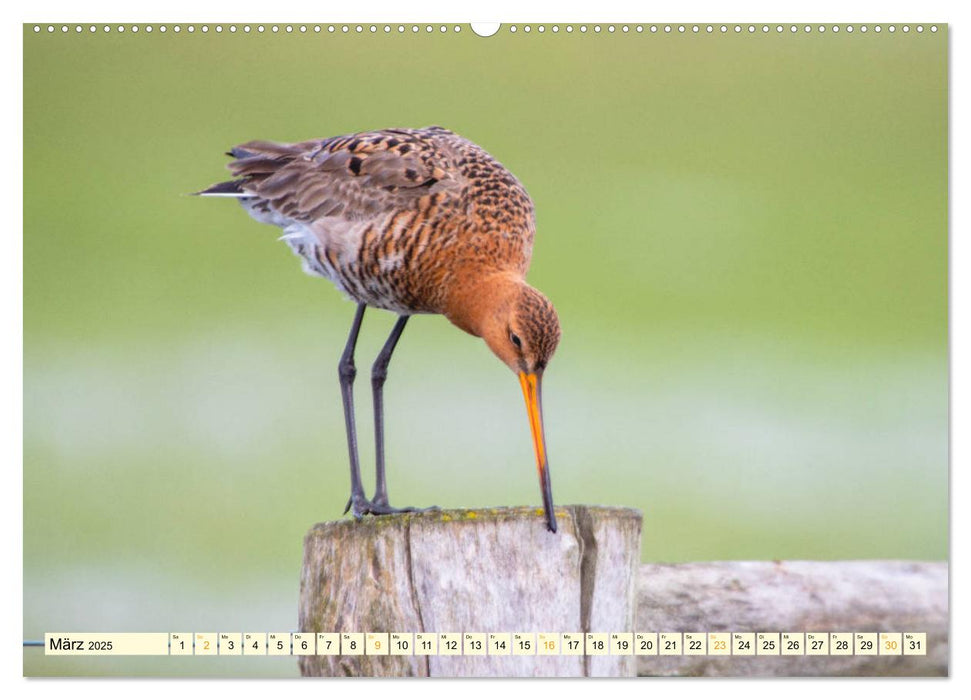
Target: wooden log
x,y
796,596
492,570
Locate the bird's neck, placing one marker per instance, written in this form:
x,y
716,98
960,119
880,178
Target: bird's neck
x,y
472,305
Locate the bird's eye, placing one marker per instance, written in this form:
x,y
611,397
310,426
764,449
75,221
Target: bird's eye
x,y
516,341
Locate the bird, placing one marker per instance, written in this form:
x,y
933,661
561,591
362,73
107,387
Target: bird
x,y
411,221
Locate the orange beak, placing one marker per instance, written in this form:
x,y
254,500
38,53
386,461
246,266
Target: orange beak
x,y
532,386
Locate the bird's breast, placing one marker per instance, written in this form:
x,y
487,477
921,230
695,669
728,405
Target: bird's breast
x,y
405,261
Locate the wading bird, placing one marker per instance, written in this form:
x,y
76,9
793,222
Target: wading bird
x,y
413,221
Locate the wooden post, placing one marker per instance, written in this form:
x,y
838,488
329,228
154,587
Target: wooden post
x,y
492,570
796,596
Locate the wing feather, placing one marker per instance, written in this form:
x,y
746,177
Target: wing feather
x,y
355,177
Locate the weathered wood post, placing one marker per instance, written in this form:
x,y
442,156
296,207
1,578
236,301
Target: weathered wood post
x,y
797,596
492,570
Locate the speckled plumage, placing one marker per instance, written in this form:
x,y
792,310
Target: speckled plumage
x,y
392,217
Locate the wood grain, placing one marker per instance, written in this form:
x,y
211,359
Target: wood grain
x,y
494,570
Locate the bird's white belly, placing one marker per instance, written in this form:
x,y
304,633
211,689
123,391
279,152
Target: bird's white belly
x,y
307,247
343,240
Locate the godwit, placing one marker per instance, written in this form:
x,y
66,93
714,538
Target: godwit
x,y
414,221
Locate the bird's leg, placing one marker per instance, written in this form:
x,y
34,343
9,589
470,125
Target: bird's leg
x,y
346,371
379,372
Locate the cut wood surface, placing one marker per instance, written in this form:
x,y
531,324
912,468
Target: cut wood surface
x,y
796,596
490,570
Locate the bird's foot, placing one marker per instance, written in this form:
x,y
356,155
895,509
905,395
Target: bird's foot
x,y
380,506
359,506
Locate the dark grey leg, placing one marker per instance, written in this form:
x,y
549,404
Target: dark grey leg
x,y
379,372
346,371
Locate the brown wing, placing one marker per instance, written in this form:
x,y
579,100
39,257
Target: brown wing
x,y
353,177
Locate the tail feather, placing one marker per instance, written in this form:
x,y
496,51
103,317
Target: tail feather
x,y
232,188
254,158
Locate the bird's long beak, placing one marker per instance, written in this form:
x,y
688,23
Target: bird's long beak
x,y
532,392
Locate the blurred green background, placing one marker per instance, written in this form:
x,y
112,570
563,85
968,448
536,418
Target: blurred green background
x,y
745,237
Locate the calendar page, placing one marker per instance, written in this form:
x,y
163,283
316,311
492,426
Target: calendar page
x,y
515,349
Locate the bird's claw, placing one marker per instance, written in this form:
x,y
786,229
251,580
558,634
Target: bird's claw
x,y
359,506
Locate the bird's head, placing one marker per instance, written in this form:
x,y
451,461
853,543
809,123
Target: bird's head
x,y
520,326
523,331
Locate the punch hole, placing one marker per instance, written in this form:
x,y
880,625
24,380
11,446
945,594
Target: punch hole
x,y
920,27
36,29
527,29
681,29
905,28
933,27
162,29
751,29
765,29
134,29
